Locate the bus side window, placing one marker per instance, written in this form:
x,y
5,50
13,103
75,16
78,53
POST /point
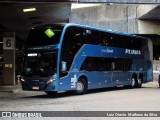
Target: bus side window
x,y
73,40
93,37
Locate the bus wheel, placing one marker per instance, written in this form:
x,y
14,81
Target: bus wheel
x,y
133,82
51,93
81,86
139,83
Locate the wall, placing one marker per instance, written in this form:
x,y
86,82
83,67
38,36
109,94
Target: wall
x,y
148,27
116,17
122,18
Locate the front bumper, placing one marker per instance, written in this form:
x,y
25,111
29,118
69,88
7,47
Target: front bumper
x,y
37,84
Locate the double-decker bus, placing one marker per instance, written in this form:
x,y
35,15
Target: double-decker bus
x,y
72,57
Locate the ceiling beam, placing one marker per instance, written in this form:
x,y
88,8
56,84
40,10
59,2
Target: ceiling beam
x,y
35,1
121,1
86,1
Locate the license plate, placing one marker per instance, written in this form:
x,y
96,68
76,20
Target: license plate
x,y
35,88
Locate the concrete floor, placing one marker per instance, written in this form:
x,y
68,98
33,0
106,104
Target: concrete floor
x,y
146,98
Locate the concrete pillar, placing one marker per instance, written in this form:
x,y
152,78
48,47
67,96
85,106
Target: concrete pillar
x,y
9,58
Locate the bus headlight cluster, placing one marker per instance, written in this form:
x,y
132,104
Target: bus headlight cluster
x,y
22,80
50,80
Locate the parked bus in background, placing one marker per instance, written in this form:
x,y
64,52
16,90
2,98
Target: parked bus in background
x,y
71,57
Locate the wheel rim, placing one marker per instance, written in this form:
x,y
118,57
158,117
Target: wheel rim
x,y
139,81
133,82
80,86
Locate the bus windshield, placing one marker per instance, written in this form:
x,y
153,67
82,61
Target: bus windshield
x,y
44,36
40,63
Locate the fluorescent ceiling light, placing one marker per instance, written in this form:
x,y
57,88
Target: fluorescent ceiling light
x,y
77,5
29,10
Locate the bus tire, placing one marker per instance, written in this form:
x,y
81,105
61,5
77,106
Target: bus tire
x,y
139,82
50,93
81,87
133,82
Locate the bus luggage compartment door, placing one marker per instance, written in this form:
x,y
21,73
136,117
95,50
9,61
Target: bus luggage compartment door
x,y
120,78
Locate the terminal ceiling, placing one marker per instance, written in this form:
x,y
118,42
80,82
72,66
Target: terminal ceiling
x,y
12,17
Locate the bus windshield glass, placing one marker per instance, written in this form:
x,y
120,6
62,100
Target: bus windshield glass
x,y
40,63
44,36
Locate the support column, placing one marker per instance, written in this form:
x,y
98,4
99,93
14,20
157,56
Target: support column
x,y
9,58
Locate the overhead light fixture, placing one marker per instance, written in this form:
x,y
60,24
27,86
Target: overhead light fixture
x,y
29,10
81,5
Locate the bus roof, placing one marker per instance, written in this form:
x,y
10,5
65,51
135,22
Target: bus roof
x,y
105,30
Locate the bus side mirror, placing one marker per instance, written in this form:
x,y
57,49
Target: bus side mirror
x,y
64,66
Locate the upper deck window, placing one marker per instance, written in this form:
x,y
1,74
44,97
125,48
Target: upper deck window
x,y
43,36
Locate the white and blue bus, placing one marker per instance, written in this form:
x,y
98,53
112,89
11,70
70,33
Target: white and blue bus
x,y
71,57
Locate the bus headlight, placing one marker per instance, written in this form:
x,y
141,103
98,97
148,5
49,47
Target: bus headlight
x,y
22,80
50,80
